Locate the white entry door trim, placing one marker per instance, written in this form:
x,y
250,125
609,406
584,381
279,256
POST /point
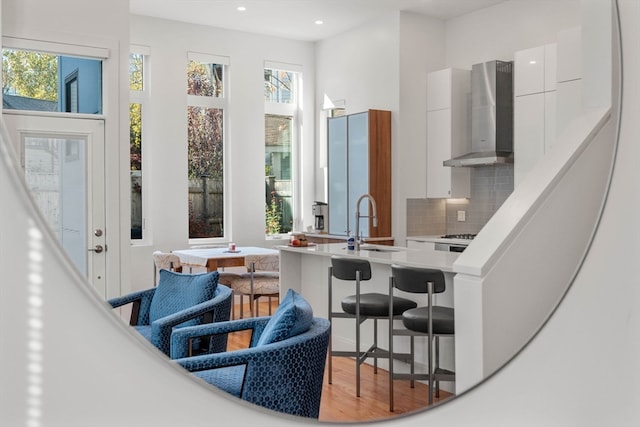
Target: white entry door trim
x,y
77,183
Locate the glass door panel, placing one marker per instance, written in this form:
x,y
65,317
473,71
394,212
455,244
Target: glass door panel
x,y
56,173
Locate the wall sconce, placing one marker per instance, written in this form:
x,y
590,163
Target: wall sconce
x,y
327,104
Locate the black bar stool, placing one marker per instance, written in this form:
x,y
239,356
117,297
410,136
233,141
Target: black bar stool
x,y
361,306
430,321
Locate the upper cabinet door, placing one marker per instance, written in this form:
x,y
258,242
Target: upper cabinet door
x,y
529,76
439,90
534,107
448,132
535,70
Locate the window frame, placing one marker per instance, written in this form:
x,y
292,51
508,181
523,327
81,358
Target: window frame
x,y
60,49
220,102
142,97
294,110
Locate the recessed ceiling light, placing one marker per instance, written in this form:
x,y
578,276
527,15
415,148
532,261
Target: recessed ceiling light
x,y
242,8
319,22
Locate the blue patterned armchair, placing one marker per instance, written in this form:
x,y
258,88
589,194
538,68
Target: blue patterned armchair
x,y
179,300
281,370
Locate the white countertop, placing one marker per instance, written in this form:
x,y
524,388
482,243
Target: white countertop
x,y
425,258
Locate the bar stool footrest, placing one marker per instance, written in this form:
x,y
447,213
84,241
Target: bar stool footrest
x,y
441,374
372,352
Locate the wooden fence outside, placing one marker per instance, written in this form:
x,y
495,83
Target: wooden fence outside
x,y
206,204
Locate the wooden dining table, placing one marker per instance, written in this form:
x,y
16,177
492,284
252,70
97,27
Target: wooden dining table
x,y
214,258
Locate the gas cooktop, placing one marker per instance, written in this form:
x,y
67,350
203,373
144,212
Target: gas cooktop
x,y
466,236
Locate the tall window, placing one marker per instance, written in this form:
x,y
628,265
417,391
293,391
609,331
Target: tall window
x,y
206,101
138,97
282,98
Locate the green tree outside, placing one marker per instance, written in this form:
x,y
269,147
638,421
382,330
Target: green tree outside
x,y
30,74
205,125
135,112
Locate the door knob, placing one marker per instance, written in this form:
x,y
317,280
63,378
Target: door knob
x,y
97,249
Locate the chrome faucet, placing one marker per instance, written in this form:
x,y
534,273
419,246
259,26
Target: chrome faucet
x,y
358,216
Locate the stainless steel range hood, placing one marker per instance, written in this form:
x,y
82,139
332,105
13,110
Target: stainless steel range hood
x,y
491,116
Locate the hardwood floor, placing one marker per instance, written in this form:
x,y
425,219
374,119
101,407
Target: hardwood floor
x,y
339,402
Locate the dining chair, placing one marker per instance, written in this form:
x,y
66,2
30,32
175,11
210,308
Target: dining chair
x,y
166,261
262,279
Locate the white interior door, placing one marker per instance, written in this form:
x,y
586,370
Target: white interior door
x,y
63,161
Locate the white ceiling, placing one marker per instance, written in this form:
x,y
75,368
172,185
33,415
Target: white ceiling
x,y
295,19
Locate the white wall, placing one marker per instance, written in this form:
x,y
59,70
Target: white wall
x,y
422,50
413,46
382,65
101,25
166,177
360,68
499,31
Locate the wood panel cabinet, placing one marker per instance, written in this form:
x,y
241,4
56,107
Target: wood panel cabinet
x,y
448,132
359,162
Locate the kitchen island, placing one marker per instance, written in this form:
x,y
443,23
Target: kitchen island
x,y
305,270
323,238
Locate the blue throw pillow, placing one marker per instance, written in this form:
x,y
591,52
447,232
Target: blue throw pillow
x,y
179,291
293,317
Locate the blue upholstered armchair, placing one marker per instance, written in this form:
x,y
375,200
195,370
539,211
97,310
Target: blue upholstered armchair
x,y
179,300
281,370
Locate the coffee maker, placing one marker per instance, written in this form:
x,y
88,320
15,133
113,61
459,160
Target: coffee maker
x,y
320,210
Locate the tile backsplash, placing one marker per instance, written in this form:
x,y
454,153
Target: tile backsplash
x,y
490,187
426,215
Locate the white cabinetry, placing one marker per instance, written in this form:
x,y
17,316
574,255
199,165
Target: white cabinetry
x,y
420,244
569,86
534,107
448,132
548,96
